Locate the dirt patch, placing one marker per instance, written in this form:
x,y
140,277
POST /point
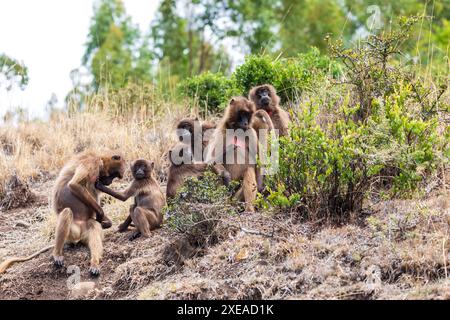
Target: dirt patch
x,y
16,194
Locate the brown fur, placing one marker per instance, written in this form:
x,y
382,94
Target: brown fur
x,y
262,120
246,172
202,137
75,201
178,173
9,262
263,125
149,200
279,117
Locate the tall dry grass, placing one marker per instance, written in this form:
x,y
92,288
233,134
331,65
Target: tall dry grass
x,y
36,149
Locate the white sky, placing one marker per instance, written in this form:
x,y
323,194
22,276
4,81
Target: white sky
x,y
49,36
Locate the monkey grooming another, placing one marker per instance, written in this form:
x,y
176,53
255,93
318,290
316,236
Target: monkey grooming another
x,y
75,201
149,200
265,98
191,164
179,172
238,116
195,132
263,126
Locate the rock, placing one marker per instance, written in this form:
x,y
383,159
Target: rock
x,y
242,254
82,289
22,224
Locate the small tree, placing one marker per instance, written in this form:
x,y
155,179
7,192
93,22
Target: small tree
x,y
13,72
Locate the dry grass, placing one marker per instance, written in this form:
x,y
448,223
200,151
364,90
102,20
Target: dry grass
x,y
401,251
16,194
299,262
34,150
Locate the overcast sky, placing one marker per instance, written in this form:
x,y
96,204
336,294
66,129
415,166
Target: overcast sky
x,y
49,36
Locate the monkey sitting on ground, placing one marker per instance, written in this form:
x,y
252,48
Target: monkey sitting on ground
x,y
195,132
263,126
75,201
149,200
179,171
265,97
184,161
238,116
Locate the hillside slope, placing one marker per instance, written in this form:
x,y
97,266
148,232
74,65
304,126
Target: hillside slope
x,y
400,250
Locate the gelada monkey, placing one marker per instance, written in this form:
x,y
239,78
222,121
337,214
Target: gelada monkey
x,y
265,97
195,132
180,171
75,201
237,117
263,126
149,200
183,161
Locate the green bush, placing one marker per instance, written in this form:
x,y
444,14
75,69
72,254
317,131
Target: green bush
x,y
327,171
404,147
321,174
374,68
197,210
255,71
304,73
290,77
210,90
206,189
380,136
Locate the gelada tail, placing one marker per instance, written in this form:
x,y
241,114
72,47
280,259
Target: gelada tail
x,y
9,262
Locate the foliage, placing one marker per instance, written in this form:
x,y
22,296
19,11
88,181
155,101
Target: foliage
x,y
108,57
198,207
180,41
306,22
13,71
289,76
424,45
210,90
170,38
383,137
320,174
436,44
206,189
187,38
115,53
327,171
303,73
256,70
404,148
368,66
253,24
107,13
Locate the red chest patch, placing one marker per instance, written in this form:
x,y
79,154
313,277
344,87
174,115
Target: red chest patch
x,y
238,143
